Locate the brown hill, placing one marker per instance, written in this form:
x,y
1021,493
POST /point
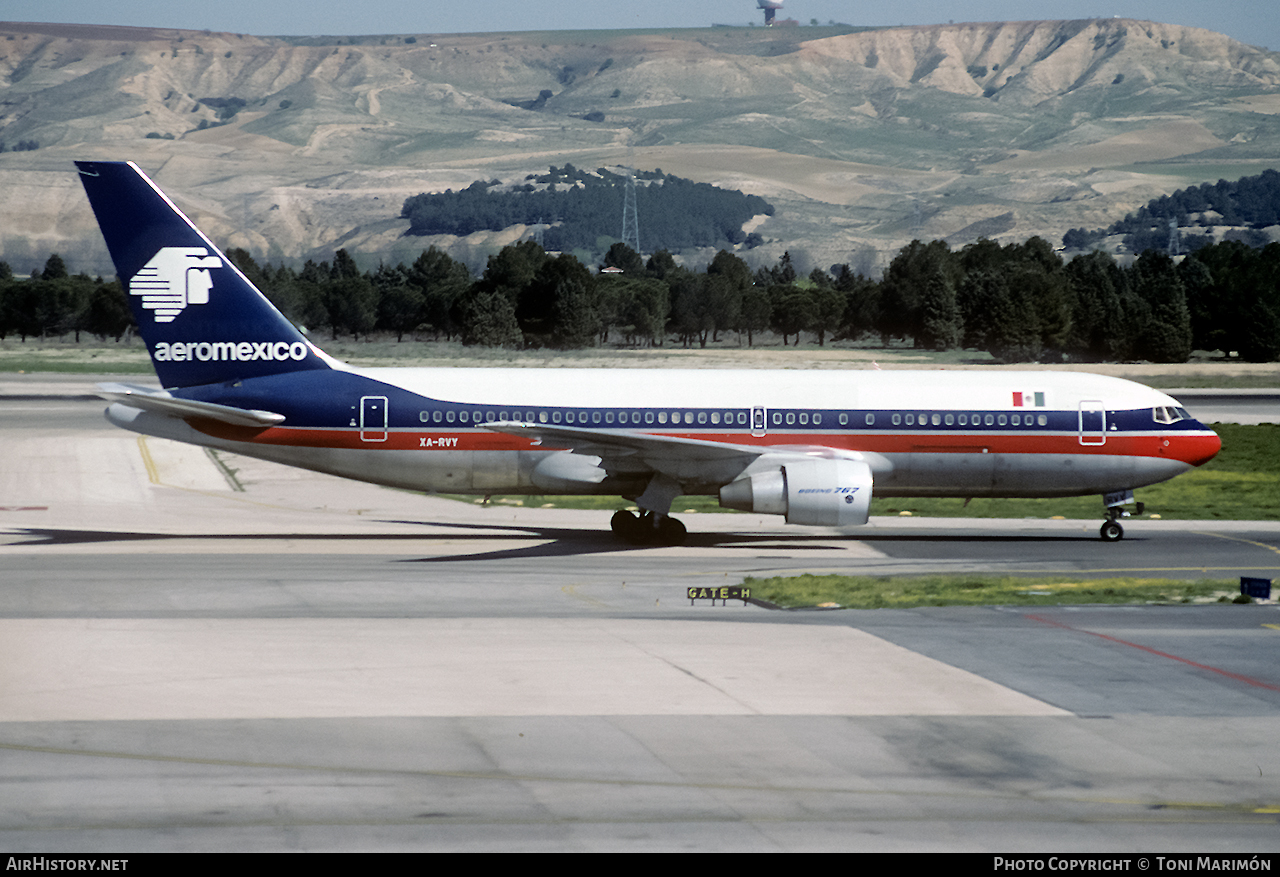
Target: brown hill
x,y
292,147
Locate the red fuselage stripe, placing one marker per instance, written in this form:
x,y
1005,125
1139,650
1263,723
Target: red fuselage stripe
x,y
1191,448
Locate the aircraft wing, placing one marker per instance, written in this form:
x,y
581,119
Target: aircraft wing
x,y
684,459
601,443
162,402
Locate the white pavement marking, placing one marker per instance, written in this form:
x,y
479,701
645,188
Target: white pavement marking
x,y
124,669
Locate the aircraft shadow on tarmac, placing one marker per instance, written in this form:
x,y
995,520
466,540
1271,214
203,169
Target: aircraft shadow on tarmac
x,y
550,541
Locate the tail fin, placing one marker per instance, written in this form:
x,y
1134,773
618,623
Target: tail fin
x,y
201,318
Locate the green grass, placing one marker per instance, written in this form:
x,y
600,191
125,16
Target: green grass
x,y
905,592
1241,484
683,505
66,357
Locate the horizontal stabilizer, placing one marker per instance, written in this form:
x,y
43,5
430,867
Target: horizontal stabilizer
x,y
162,402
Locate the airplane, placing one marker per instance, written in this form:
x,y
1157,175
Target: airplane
x,y
238,376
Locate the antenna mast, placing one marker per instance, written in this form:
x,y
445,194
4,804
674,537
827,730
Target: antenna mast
x,y
630,215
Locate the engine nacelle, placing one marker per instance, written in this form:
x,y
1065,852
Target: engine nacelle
x,y
816,490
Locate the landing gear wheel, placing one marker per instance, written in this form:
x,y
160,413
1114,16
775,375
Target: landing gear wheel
x,y
647,528
1111,531
623,524
671,532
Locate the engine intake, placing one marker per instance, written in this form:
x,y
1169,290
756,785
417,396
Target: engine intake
x,y
817,491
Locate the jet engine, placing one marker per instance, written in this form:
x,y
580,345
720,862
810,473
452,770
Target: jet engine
x,y
808,490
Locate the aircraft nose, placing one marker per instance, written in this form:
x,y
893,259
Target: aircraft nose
x,y
1196,449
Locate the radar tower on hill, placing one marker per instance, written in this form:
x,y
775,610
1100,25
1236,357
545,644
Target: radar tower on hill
x,y
770,8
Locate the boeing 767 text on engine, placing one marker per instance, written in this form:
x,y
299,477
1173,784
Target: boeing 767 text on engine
x,y
812,446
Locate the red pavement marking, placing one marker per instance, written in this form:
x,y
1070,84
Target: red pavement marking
x,y
1236,676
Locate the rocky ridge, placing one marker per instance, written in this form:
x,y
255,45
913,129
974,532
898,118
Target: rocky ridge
x,y
292,147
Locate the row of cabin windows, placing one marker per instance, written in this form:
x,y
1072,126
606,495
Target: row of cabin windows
x,y
728,418
623,418
936,419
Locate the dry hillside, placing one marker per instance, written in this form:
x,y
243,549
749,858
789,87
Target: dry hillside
x,y
863,140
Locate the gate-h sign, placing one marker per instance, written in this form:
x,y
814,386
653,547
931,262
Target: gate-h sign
x,y
723,594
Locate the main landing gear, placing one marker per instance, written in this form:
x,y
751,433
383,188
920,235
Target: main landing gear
x,y
653,526
648,528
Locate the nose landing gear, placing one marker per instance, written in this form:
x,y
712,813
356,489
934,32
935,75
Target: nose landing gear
x,y
1111,530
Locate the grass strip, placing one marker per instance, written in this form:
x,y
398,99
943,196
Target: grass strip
x,y
1241,484
907,592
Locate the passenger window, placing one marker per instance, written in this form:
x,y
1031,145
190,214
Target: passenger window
x,y
595,416
568,417
988,420
436,416
608,417
897,419
964,420
911,420
464,416
449,416
949,420
937,420
662,417
1017,420
870,418
542,416
791,418
742,418
777,419
1003,421
1043,420
648,417
702,417
688,417
804,419
555,416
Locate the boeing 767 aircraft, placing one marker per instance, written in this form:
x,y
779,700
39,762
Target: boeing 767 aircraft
x,y
812,446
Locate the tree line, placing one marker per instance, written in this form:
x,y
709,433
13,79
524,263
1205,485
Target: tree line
x,y
1020,302
53,302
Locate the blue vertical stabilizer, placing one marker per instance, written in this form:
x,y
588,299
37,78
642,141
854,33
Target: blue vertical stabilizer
x,y
202,320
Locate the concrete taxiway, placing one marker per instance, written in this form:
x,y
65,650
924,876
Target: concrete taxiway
x,y
222,654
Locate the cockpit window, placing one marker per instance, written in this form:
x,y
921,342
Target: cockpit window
x,y
1169,414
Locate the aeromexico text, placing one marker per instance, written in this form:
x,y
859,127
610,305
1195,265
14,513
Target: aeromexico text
x,y
236,351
